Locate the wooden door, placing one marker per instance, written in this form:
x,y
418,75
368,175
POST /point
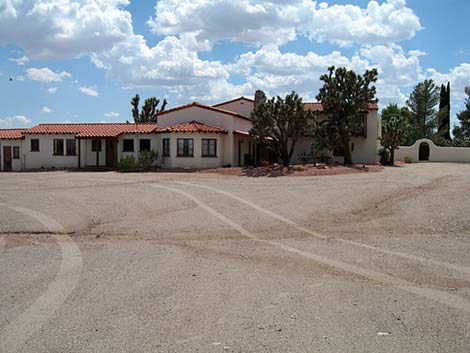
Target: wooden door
x,y
111,153
7,159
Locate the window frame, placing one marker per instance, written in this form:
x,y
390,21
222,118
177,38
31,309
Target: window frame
x,y
166,147
124,149
149,142
94,144
208,153
16,152
186,147
67,141
55,147
31,145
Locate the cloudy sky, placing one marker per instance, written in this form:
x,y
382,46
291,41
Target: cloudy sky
x,y
82,61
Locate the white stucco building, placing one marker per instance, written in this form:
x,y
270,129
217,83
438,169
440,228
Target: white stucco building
x,y
192,136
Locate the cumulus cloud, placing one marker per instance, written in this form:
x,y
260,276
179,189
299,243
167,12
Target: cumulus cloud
x,y
15,120
46,110
112,115
46,75
20,61
89,91
52,90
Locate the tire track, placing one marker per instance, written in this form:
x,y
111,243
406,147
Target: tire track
x,y
13,336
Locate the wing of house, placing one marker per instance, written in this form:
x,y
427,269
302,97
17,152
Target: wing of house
x,y
193,135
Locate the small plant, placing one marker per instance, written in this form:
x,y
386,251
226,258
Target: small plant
x,y
127,164
304,157
408,159
384,156
147,159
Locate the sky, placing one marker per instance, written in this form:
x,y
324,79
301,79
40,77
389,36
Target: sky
x,y
83,61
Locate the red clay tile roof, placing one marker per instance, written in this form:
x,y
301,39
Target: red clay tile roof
x,y
203,106
11,134
93,130
234,100
318,107
193,126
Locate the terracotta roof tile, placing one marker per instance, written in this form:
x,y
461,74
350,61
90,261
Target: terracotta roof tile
x,y
11,134
193,126
318,107
93,130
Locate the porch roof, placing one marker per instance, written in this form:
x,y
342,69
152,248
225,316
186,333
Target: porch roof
x,y
11,134
193,126
93,130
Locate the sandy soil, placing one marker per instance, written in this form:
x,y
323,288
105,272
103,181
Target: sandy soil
x,y
203,262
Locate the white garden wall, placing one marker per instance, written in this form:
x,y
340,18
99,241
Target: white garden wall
x,y
436,153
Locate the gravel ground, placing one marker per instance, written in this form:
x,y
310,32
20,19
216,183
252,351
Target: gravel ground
x,y
175,262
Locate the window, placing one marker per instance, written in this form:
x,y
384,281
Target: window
x,y
71,147
166,147
96,145
209,148
185,148
128,145
58,147
34,145
144,145
16,152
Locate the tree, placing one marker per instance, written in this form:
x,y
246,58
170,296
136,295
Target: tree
x,y
443,127
462,132
421,103
395,128
279,122
346,96
149,109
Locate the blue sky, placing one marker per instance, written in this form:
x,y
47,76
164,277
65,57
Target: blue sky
x,y
82,62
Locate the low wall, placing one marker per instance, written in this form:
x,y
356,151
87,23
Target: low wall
x,y
436,153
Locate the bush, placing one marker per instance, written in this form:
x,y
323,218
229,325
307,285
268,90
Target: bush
x,y
384,156
408,159
127,164
146,159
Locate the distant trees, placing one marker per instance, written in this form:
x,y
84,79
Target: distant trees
x,y
462,132
422,102
279,122
443,116
395,128
149,111
346,96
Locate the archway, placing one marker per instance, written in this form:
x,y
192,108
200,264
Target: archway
x,y
424,151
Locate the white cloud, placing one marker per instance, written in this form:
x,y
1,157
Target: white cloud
x,y
459,78
112,115
89,91
46,110
15,120
20,61
46,75
52,29
52,90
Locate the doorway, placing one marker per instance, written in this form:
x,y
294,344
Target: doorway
x,y
111,154
424,151
7,161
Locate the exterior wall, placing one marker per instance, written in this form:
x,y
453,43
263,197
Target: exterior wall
x,y
196,162
436,153
228,122
45,158
88,157
16,164
242,106
155,144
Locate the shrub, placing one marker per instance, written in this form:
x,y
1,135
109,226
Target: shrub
x,y
304,157
408,159
127,164
384,156
146,159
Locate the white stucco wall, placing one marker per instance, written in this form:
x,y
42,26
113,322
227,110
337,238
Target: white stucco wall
x,y
45,158
243,107
196,162
436,153
16,164
155,144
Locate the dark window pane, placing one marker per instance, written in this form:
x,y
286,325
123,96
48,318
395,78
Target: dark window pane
x,y
185,147
58,147
16,152
209,148
71,147
96,145
144,145
34,145
166,147
128,145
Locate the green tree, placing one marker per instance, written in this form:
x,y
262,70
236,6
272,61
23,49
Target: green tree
x,y
149,111
422,102
345,96
443,116
462,131
395,128
279,122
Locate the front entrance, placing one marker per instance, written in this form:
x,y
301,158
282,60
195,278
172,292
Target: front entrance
x,y
111,153
424,151
7,159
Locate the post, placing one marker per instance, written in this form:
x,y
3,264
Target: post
x,y
98,145
79,154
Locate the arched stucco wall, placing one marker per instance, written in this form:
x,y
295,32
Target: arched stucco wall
x,y
436,153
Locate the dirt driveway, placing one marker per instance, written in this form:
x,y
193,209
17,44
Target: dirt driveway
x,y
107,262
